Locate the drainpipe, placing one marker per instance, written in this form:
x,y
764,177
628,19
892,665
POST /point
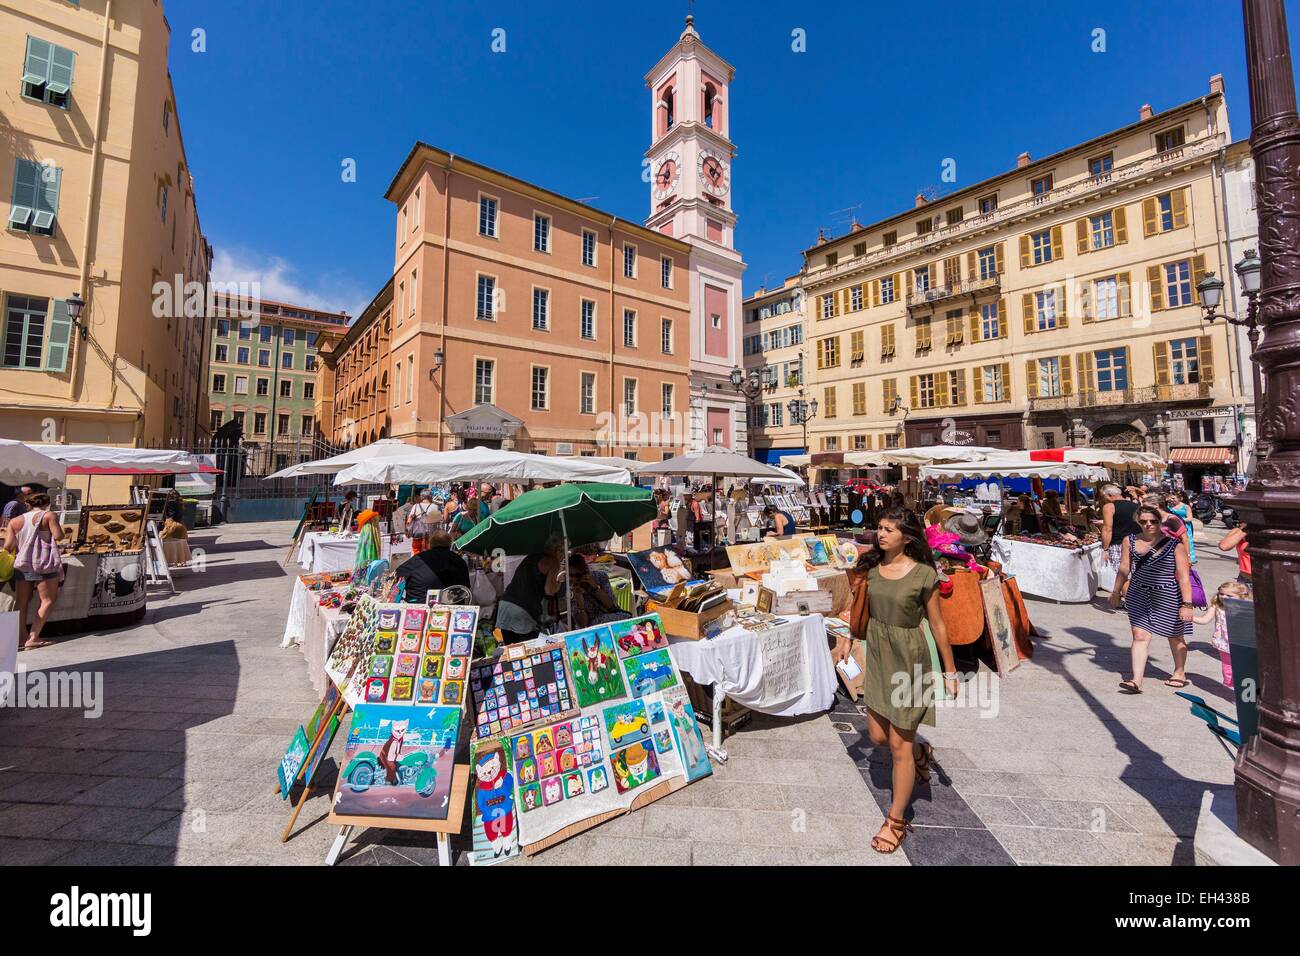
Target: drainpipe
x,y
613,330
446,281
92,195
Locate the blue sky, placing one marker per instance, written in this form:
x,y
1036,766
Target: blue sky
x,y
287,90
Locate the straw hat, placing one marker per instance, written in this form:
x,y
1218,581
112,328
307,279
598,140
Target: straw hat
x,y
940,513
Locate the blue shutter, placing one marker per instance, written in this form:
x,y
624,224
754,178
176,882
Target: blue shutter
x,y
56,346
49,179
36,68
61,63
24,198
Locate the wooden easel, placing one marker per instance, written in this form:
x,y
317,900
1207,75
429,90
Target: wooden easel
x,y
298,531
443,828
303,773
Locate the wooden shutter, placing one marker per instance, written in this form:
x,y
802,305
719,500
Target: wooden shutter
x,y
1067,377
1125,294
941,396
1205,359
1150,216
1161,352
901,287
1157,289
959,396
61,64
36,65
875,292
1002,319
977,385
1031,378
1198,273
999,263
1086,372
1178,201
974,318
916,392
1062,313
1120,219
56,347
1024,251
972,264
26,196
1027,309
1006,381
1058,244
1081,235
821,353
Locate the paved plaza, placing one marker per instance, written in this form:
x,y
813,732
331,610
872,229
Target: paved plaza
x,y
200,700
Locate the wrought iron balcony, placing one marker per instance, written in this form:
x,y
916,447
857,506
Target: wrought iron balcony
x,y
938,295
1114,398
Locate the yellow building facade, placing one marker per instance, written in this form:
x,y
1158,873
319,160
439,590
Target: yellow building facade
x,y
98,204
1055,304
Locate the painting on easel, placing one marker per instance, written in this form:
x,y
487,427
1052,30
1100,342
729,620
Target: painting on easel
x,y
495,833
398,762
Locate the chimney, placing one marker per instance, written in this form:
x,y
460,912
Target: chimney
x,y
1216,84
1022,161
920,201
821,237
1145,112
858,227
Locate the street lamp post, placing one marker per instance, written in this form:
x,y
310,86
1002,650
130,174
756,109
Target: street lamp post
x,y
801,413
1268,767
751,387
1211,292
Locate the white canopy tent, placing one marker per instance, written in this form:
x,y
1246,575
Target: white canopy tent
x,y
921,455
1015,465
112,460
795,461
627,464
1118,457
384,449
718,462
22,464
477,464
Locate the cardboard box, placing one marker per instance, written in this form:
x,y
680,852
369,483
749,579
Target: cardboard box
x,y
728,579
686,624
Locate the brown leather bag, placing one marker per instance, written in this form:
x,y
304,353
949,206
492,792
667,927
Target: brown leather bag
x,y
859,606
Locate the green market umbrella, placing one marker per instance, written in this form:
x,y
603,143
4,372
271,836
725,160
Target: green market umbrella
x,y
579,514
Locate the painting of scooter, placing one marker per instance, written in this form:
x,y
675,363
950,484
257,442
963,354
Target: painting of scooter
x,y
398,761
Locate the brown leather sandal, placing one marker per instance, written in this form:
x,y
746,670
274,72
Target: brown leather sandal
x,y
923,762
900,829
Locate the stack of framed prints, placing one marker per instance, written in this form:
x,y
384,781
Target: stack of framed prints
x,y
575,729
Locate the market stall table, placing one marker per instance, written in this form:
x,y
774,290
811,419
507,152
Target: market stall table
x,y
1066,574
786,671
327,551
99,590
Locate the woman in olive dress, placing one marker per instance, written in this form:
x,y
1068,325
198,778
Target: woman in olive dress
x,y
901,590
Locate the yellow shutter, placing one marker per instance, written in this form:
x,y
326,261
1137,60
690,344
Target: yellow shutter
x,y
1027,309
977,385
1178,200
1031,378
1081,235
974,324
1058,244
901,288
1120,218
875,292
1125,284
1198,273
1024,252
1161,351
1002,318
941,396
972,265
1157,290
999,263
1205,358
1006,381
1150,216
1062,312
960,397
1086,373
821,353
916,392
1067,376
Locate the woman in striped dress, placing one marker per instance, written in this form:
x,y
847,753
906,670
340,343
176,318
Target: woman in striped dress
x,y
1155,584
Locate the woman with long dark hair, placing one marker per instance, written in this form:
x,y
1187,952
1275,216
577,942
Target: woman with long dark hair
x,y
901,589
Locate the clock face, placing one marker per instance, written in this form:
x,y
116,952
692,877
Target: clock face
x,y
713,173
667,175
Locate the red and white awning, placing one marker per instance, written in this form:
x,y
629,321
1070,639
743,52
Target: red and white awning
x,y
1211,455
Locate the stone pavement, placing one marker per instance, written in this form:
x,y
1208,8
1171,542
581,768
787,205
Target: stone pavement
x,y
200,702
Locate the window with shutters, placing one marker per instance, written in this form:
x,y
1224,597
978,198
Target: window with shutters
x,y
990,321
540,390
993,384
859,398
887,341
1041,185
889,238
486,298
828,352
1105,299
1178,283
828,409
988,204
925,390
921,279
856,349
955,326
828,305
776,413
957,387
859,249
954,216
832,258
541,310
888,293
859,442
587,319
1170,139
891,440
1101,231
541,232
1040,244
1049,377
924,226
1045,310
923,338
831,443
47,73
25,331
34,202
1183,366
1165,212
1100,165
855,298
484,378
487,217
988,262
889,393
1111,369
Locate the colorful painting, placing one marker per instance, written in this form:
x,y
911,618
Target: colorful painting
x,y
413,619
597,779
817,553
594,665
690,741
657,712
426,690
519,688
406,665
431,666
293,760
530,796
663,740
495,830
463,620
435,642
385,642
1002,637
634,766
409,643
647,673
377,690
398,762
461,644
658,568
626,723
381,665
318,751
457,667
401,688
638,635
757,558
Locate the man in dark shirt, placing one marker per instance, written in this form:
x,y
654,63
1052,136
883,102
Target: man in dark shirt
x,y
434,568
16,507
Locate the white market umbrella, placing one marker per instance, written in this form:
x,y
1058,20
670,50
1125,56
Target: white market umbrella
x,y
1015,465
795,461
1119,457
716,461
479,464
22,464
628,464
383,449
792,478
921,455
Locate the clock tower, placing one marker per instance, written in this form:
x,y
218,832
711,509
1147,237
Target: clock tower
x,y
690,166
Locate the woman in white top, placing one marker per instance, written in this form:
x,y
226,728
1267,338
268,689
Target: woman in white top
x,y
422,520
38,567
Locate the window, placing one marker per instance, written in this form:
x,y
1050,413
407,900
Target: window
x,y
855,298
245,331
263,387
666,390
921,279
286,388
954,216
286,360
47,73
587,319
890,238
887,341
859,398
487,288
828,352
954,320
923,226
1183,364
264,333
828,305
288,337
1048,377
163,204
666,336
629,396
308,424
859,249
282,423
223,327
994,385
311,340
988,262
415,219
832,258
241,355
988,204
990,321
924,391
1105,298
887,291
1112,370
957,387
218,382
483,373
1200,430
629,328
587,393
310,362
1170,139
222,354
856,348
889,393
1041,185
828,408
540,397
1045,310
259,423
1101,231
487,216
923,338
264,358
629,261
1165,212
666,272
541,310
216,419
1100,165
309,390
238,418
588,247
413,295
1041,246
34,202
1178,283
541,232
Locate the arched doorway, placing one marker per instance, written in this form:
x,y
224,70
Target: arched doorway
x,y
1118,435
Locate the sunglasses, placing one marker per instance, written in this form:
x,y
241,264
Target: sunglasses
x,y
1147,522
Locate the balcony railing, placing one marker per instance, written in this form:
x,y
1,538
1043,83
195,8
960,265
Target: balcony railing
x,y
945,293
1096,398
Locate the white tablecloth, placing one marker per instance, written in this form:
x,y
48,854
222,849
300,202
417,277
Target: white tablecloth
x,y
297,613
733,661
1042,570
326,551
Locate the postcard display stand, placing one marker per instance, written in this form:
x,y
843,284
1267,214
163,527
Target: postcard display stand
x,y
571,730
402,669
